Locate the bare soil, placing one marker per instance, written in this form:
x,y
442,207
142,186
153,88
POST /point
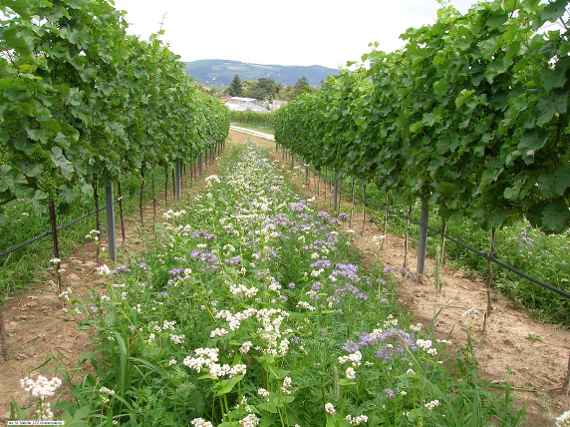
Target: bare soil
x,y
43,334
516,349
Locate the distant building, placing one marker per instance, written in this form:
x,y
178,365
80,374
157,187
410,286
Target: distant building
x,y
238,103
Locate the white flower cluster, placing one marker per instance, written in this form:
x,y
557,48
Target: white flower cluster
x,y
287,384
350,373
201,422
563,420
103,270
432,405
243,291
329,408
177,339
208,358
184,230
212,179
167,325
355,421
93,235
234,320
353,358
390,321
250,421
218,332
245,347
41,387
426,345
417,327
171,214
263,393
305,305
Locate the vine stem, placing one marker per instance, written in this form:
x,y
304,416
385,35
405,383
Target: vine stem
x,y
490,277
3,342
55,241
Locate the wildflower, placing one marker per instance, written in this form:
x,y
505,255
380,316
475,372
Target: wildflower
x,y
350,373
263,393
218,332
245,347
354,421
107,391
41,387
563,420
103,270
172,362
177,339
390,394
431,405
287,384
250,421
329,408
55,261
201,422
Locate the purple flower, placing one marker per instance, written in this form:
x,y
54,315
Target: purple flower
x,y
234,260
316,287
204,255
347,271
390,394
321,263
202,235
297,206
350,347
343,217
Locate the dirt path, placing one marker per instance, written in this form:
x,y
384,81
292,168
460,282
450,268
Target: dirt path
x,y
531,356
42,334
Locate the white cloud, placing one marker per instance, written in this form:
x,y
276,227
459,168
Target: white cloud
x,y
295,32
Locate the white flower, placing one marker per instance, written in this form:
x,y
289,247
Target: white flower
x,y
354,421
563,420
287,384
250,421
177,339
305,305
41,387
263,393
201,422
218,332
103,270
55,261
172,362
107,391
350,373
354,358
431,405
245,347
417,327
329,408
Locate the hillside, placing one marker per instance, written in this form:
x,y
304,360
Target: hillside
x,y
219,72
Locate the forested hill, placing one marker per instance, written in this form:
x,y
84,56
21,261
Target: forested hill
x,y
219,72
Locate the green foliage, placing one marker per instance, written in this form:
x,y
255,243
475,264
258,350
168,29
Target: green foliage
x,y
236,87
294,329
471,113
84,101
252,118
263,89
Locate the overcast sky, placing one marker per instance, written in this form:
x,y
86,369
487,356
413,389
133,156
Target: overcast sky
x,y
294,32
